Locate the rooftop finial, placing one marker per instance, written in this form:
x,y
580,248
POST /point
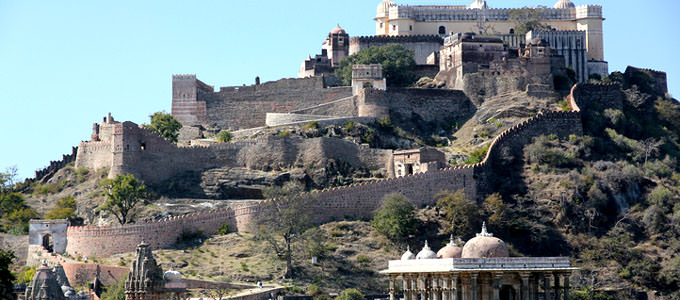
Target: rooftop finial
x,y
484,231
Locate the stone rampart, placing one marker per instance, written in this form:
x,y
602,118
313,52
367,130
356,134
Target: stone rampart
x,y
241,107
357,200
46,173
659,80
596,96
95,155
342,107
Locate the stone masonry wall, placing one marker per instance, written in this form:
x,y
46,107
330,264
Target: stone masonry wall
x,y
245,107
46,173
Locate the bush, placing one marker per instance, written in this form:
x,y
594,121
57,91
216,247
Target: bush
x,y
477,155
461,215
543,152
385,123
65,208
363,259
349,125
116,291
314,290
224,229
26,274
350,294
284,133
224,136
395,219
311,125
165,125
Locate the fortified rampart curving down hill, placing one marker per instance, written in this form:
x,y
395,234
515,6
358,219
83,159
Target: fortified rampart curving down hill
x,y
358,200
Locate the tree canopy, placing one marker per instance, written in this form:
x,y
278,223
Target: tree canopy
x,y
395,218
462,216
6,276
65,208
527,19
165,125
122,193
398,64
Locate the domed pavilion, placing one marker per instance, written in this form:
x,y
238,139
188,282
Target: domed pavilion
x,y
482,269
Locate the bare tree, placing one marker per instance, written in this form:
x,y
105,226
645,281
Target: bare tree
x,y
651,147
282,223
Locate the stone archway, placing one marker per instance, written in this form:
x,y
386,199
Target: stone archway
x,y
48,242
508,293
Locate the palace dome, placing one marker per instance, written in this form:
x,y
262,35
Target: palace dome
x,y
484,245
426,253
451,250
564,4
384,8
408,255
338,30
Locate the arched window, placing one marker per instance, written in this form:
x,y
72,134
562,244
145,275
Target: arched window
x,y
47,243
442,30
512,30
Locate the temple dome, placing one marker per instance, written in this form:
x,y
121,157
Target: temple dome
x,y
564,4
485,245
451,250
408,255
478,4
426,253
384,8
338,30
172,275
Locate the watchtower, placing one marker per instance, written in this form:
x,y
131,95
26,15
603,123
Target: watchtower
x,y
337,45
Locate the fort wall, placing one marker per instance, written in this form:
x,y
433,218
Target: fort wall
x,y
46,173
342,107
240,107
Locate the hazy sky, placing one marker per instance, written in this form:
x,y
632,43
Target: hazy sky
x,y
65,64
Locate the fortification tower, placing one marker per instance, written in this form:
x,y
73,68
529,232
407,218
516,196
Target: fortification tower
x,y
337,45
589,19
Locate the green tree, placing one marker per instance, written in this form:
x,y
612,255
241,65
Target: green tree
x,y
350,294
14,213
115,291
462,216
527,19
395,219
8,178
122,193
398,64
165,125
6,276
283,223
224,136
65,208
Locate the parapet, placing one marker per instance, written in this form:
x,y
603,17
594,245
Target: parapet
x,y
589,11
397,39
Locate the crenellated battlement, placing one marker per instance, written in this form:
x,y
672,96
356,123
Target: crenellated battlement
x,y
398,39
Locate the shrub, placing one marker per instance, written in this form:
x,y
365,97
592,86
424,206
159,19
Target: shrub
x,y
362,259
350,294
541,151
461,215
224,136
25,276
385,123
398,64
349,125
65,208
395,219
115,291
165,125
314,290
311,125
477,155
224,229
284,133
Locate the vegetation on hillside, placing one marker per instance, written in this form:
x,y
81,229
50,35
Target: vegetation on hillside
x,y
14,213
6,276
123,194
165,125
397,62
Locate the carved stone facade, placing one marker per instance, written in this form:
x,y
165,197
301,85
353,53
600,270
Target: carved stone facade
x,y
146,281
44,286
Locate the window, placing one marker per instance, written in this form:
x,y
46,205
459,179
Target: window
x,y
381,25
410,28
143,146
442,30
394,27
512,31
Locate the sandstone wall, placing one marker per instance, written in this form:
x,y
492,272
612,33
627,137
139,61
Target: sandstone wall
x,y
342,107
597,96
94,155
245,107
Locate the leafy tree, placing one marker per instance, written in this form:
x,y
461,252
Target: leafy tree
x,y
6,276
284,222
14,213
116,291
395,219
527,19
224,136
122,193
350,294
165,125
8,178
398,64
65,208
462,216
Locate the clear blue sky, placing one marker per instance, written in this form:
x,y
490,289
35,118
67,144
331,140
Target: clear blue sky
x,y
65,64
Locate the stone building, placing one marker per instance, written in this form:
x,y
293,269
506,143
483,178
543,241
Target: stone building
x,y
415,161
364,76
333,50
50,234
424,47
146,280
398,20
44,286
570,44
481,270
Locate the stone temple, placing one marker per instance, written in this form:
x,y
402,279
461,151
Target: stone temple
x,y
480,270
